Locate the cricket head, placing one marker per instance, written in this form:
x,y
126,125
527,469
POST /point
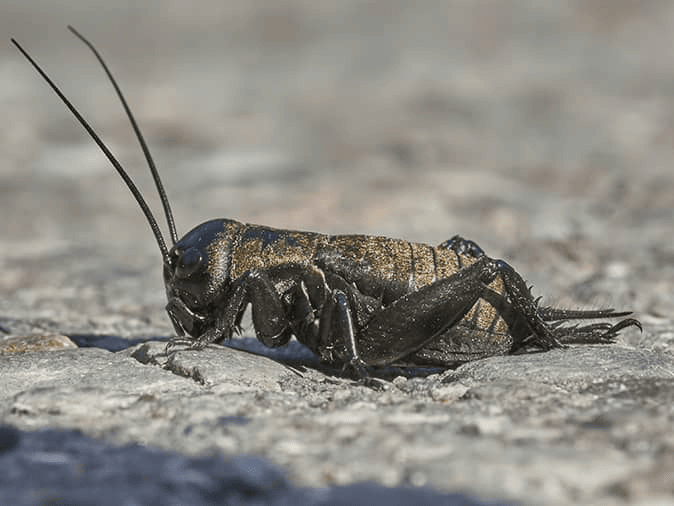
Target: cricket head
x,y
196,275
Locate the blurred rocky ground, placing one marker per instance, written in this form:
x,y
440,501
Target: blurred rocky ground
x,y
544,131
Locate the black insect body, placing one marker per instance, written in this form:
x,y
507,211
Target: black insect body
x,y
352,299
361,300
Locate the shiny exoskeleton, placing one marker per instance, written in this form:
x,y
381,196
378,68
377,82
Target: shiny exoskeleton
x,y
354,300
361,300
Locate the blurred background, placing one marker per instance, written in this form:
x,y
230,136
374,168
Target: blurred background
x,y
542,130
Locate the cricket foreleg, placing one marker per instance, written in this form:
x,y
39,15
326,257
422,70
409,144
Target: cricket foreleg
x,y
268,313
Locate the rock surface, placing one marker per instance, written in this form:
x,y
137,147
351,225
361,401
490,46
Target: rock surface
x,y
541,130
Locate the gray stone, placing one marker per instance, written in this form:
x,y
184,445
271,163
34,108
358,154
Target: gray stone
x,y
579,364
223,369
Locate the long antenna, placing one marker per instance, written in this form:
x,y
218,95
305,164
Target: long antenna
x,y
141,140
115,163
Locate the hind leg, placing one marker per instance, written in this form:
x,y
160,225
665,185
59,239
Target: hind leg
x,y
416,319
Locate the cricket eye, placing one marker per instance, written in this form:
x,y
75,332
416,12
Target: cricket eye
x,y
187,262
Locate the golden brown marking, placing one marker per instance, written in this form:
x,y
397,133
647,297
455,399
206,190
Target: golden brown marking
x,y
484,322
254,250
424,271
447,263
388,259
435,265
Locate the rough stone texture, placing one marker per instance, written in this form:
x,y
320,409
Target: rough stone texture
x,y
541,130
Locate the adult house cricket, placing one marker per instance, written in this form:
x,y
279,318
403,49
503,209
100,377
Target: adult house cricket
x,y
353,300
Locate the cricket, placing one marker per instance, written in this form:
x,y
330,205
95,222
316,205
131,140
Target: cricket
x,y
356,301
